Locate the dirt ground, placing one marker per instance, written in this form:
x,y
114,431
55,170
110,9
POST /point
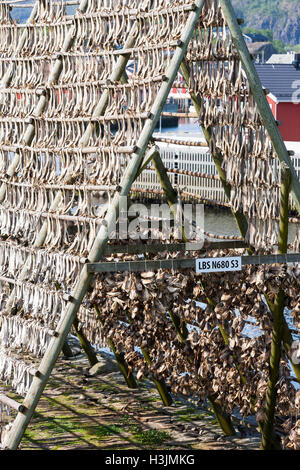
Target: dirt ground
x,y
82,412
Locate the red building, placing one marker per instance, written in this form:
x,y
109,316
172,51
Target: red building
x,y
283,83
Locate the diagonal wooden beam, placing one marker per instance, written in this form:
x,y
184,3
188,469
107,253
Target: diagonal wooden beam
x,y
240,218
260,97
38,384
268,442
41,236
222,417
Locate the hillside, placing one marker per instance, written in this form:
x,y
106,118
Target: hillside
x,y
280,16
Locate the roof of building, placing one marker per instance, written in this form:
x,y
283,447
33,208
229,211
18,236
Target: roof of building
x,y
256,37
283,80
256,47
281,59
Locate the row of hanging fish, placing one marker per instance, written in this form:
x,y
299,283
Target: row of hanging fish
x,y
58,181
229,111
137,311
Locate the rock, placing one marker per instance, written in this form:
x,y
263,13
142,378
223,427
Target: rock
x,y
280,17
193,429
104,366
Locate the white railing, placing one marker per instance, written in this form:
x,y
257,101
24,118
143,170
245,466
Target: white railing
x,y
195,159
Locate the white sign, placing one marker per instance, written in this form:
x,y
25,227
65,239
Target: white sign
x,y
212,265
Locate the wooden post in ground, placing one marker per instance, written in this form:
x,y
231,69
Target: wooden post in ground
x,y
38,384
85,344
172,198
223,418
240,218
170,193
66,350
128,375
159,384
278,312
241,221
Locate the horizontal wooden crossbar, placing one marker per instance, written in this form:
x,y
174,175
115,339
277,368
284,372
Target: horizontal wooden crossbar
x,y
185,263
172,247
12,403
192,143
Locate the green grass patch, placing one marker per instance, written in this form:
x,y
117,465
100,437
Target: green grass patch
x,y
130,425
192,417
152,437
150,399
106,388
61,426
190,414
105,430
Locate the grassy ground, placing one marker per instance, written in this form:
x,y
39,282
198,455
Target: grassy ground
x,y
77,411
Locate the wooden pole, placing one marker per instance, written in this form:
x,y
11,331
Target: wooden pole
x,y
169,191
183,263
260,98
11,403
66,350
86,346
286,181
223,418
165,182
115,76
171,247
241,221
225,337
240,218
160,384
172,198
278,314
48,362
268,442
128,375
